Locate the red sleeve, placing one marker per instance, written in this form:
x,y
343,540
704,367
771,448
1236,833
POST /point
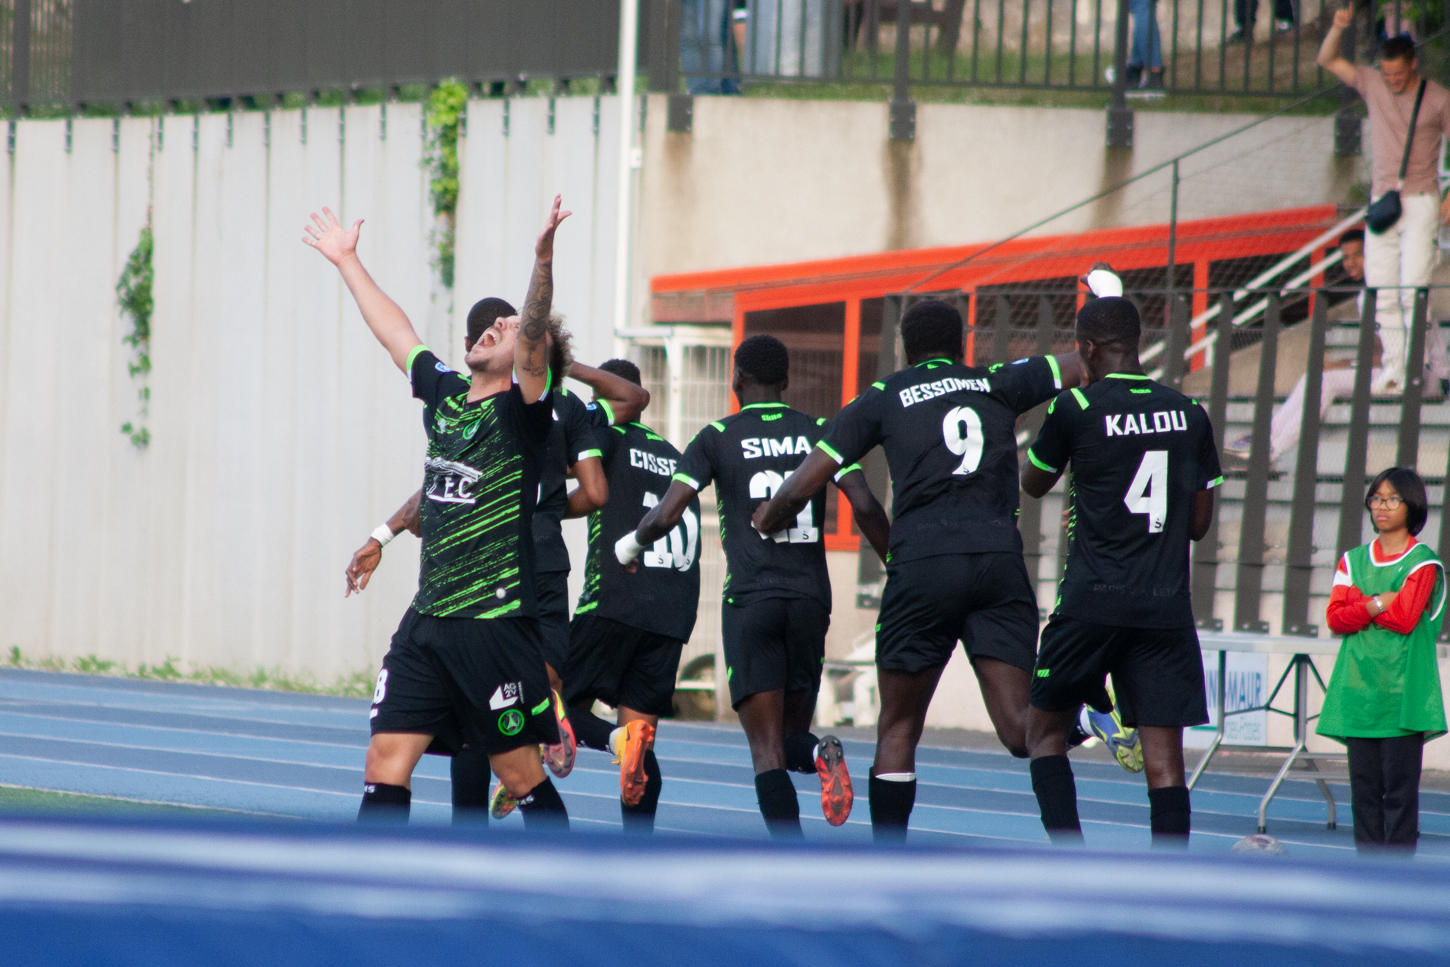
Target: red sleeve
x,y
1404,612
1348,610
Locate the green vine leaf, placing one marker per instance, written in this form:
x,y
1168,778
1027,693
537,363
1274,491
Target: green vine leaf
x,y
446,106
134,298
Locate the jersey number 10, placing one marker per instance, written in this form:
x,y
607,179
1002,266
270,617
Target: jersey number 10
x,y
676,549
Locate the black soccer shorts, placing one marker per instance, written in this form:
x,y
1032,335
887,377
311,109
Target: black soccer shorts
x,y
985,601
773,644
620,665
465,680
1157,672
551,592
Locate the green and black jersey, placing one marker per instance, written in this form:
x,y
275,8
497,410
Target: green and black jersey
x,y
749,455
663,594
949,434
480,483
1137,452
572,438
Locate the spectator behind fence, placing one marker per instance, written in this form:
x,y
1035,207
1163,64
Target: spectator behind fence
x,y
1399,260
1245,12
1347,304
1146,51
709,52
1383,700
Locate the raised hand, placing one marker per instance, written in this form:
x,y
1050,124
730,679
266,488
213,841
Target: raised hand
x,y
1343,17
327,235
544,247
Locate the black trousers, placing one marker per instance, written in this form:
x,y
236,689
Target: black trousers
x,y
1245,10
1384,789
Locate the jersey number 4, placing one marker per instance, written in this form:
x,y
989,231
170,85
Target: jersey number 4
x,y
676,549
763,486
1148,493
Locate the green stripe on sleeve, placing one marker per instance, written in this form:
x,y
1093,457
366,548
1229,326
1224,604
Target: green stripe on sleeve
x,y
586,454
1056,371
687,481
1039,464
541,708
1081,397
1215,482
413,354
608,410
829,452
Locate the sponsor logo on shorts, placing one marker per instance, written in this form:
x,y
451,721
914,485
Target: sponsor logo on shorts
x,y
509,693
511,722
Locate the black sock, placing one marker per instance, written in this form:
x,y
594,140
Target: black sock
x,y
543,809
590,730
1168,816
382,803
891,804
779,806
640,818
1056,793
469,771
800,752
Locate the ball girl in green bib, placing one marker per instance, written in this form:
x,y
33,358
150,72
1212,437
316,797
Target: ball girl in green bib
x,y
1383,701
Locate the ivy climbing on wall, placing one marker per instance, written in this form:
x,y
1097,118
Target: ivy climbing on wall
x,y
133,293
446,105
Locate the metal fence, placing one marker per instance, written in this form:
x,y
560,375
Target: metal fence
x,y
73,53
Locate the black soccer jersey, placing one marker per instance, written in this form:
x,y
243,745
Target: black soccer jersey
x,y
1137,452
480,482
949,434
748,456
663,594
571,439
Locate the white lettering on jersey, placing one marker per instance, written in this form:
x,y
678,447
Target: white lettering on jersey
x,y
752,448
948,384
1136,424
450,481
643,459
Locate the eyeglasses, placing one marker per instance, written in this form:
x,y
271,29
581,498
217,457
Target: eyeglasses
x,y
1391,503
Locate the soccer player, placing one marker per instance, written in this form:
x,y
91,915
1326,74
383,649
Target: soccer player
x,y
955,569
629,629
466,656
571,448
1143,468
777,591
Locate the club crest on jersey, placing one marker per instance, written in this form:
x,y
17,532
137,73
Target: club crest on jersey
x,y
449,481
507,694
1135,424
752,448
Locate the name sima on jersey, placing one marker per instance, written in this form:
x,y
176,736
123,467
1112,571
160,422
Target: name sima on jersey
x,y
664,466
752,448
922,392
1134,424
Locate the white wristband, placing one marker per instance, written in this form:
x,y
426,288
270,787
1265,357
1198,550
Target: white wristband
x,y
383,533
626,549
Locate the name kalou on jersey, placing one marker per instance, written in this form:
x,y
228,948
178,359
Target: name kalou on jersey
x,y
1137,424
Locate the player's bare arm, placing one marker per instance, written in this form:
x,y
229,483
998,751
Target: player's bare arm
x,y
593,487
1329,57
389,324
625,400
870,515
777,512
1036,482
531,351
656,523
1069,365
365,559
1202,514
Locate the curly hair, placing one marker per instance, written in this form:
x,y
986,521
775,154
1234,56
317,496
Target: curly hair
x,y
561,350
764,359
